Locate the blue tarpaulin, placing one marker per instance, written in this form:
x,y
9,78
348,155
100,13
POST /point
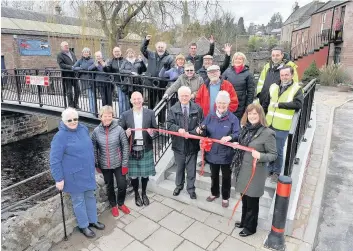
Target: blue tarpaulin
x,y
34,47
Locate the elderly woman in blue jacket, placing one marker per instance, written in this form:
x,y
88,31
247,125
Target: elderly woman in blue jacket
x,y
72,166
223,125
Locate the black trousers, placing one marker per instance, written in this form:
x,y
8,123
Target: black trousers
x,y
106,92
72,98
226,180
108,175
250,213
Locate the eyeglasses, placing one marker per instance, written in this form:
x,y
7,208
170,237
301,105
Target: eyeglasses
x,y
189,70
72,120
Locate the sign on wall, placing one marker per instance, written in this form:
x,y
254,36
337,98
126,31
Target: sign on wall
x,y
37,80
34,47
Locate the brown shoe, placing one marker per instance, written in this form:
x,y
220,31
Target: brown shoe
x,y
225,203
211,198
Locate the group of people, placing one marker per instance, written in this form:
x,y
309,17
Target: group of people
x,y
217,102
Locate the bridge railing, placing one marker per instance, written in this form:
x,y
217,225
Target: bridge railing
x,y
94,88
300,122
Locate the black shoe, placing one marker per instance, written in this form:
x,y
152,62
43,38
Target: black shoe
x,y
245,233
87,232
193,196
238,224
145,199
177,191
98,225
138,200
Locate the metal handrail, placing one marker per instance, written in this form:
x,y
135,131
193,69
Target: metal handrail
x,y
28,199
24,181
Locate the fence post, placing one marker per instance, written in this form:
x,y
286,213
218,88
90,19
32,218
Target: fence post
x,y
95,101
39,91
275,239
18,86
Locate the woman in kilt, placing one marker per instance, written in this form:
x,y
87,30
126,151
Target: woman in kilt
x,y
141,163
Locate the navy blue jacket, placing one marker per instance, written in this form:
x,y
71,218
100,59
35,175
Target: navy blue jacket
x,y
72,159
216,128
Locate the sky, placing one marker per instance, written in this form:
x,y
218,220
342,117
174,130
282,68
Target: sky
x,y
260,11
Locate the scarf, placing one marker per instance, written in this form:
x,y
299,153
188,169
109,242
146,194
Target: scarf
x,y
246,135
239,68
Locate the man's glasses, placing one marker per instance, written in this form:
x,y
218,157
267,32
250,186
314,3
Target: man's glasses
x,y
189,70
72,120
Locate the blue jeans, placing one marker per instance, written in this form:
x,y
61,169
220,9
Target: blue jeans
x,y
85,208
90,96
123,103
281,137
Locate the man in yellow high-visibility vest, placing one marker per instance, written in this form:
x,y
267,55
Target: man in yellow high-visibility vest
x,y
284,100
270,74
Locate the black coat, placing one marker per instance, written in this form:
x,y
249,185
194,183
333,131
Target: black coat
x,y
113,65
148,121
244,85
197,61
155,62
65,63
175,122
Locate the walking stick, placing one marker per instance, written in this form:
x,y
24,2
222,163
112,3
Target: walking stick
x,y
63,213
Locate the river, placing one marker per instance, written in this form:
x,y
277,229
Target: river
x,y
21,160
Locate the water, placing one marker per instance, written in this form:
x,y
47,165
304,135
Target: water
x,y
21,160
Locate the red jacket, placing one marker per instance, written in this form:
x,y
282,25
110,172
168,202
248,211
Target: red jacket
x,y
203,96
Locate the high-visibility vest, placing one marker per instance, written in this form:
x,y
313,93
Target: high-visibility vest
x,y
281,119
261,82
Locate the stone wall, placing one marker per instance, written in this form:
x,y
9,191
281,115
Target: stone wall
x,y
18,126
41,226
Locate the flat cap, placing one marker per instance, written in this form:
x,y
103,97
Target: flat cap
x,y
207,57
213,68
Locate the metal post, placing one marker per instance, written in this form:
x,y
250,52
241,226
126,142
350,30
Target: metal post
x,y
275,239
94,96
39,91
18,86
63,214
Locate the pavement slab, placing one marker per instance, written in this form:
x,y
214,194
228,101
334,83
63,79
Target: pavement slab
x,y
163,240
200,234
176,222
141,228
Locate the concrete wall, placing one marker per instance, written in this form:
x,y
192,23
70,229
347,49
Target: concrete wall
x,y
18,126
347,46
41,226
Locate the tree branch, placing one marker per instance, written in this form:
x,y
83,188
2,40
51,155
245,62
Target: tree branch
x,y
104,18
134,13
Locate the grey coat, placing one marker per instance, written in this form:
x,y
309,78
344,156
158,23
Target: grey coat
x,y
265,143
194,83
111,148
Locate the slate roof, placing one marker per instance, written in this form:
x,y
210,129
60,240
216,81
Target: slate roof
x,y
304,25
303,13
41,17
330,5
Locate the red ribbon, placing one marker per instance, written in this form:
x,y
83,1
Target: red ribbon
x,y
206,145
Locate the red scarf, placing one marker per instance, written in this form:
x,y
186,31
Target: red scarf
x,y
238,69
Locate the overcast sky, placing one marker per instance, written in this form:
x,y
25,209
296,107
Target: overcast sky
x,y
260,11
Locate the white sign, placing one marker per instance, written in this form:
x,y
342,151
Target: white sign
x,y
37,80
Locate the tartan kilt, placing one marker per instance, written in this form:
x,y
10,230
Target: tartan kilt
x,y
143,167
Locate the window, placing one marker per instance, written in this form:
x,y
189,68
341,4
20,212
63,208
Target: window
x,y
323,20
337,55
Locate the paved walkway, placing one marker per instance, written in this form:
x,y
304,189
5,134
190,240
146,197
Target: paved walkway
x,y
170,225
335,230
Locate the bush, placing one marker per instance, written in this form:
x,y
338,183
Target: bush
x,y
334,74
310,73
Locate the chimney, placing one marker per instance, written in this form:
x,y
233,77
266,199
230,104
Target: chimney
x,y
57,10
296,6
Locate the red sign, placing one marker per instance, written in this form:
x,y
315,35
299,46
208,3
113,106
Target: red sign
x,y
37,80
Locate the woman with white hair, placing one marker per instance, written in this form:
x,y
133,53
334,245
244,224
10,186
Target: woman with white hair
x,y
223,125
72,167
82,65
243,82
